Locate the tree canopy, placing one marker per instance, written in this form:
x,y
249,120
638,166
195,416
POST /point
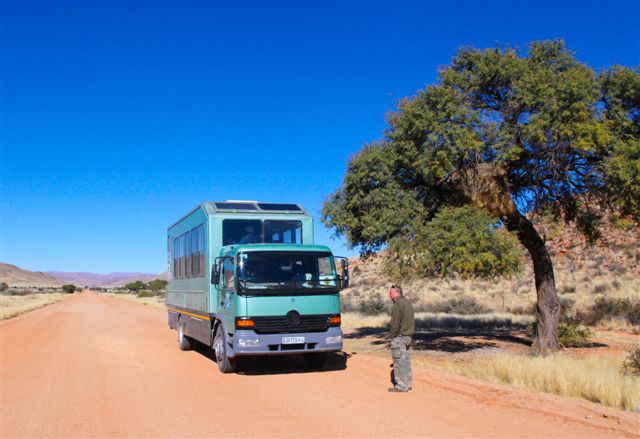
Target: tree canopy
x,y
135,286
509,132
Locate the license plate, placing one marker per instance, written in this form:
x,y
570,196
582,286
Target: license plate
x,y
292,340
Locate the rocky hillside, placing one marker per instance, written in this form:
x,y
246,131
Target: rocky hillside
x,y
583,271
18,277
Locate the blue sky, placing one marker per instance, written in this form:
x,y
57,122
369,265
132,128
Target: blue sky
x,y
119,117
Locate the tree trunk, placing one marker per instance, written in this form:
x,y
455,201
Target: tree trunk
x,y
487,187
548,306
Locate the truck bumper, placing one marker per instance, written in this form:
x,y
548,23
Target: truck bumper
x,y
250,343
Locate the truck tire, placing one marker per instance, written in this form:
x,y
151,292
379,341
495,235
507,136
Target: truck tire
x,y
184,342
315,361
225,364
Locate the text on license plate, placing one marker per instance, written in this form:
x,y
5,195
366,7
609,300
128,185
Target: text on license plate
x,y
292,340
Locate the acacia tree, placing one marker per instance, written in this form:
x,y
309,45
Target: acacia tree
x,y
505,131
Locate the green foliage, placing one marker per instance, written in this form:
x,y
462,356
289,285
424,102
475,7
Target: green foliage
x,y
158,284
69,288
532,116
621,96
135,286
462,240
3,286
631,364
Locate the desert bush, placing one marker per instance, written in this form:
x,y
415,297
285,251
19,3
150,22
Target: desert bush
x,y
17,292
600,288
612,308
568,290
69,288
464,305
616,284
145,293
135,286
631,363
157,284
374,305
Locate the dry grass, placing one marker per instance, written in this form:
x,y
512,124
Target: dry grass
x,y
11,306
596,378
156,302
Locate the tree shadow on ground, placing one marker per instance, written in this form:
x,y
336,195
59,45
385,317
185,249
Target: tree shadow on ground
x,y
454,341
445,340
279,364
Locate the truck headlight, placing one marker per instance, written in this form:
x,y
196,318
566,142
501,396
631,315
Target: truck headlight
x,y
246,342
333,340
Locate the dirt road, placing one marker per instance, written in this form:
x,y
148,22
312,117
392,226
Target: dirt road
x,y
94,366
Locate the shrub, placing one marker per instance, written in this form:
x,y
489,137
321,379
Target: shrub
x,y
145,293
69,288
631,364
17,292
158,284
605,307
373,305
616,284
568,290
464,305
600,288
135,286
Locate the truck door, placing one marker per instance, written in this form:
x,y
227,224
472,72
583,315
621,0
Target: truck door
x,y
226,293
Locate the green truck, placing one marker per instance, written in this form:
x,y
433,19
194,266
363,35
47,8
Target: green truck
x,y
246,279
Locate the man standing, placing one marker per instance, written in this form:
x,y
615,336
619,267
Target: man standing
x,y
403,325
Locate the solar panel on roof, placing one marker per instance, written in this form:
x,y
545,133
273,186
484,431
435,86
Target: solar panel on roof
x,y
236,206
276,206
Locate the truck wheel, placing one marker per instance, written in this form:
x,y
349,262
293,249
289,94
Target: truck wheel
x,y
315,361
184,342
225,364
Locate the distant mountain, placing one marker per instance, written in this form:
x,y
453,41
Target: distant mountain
x,y
18,277
103,280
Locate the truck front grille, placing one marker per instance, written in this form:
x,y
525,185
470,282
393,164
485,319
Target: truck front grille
x,y
280,324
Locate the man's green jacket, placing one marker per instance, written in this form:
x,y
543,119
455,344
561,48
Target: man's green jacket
x,y
402,320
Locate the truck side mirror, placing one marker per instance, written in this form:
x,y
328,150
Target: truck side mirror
x,y
345,273
343,279
215,273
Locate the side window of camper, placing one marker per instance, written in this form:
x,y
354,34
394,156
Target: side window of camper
x,y
195,258
182,252
176,257
187,239
203,269
227,274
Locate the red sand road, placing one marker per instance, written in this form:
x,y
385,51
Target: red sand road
x,y
94,366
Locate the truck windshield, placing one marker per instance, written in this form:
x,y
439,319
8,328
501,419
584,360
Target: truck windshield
x,y
280,273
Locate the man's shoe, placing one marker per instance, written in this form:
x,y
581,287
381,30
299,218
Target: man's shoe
x,y
396,390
